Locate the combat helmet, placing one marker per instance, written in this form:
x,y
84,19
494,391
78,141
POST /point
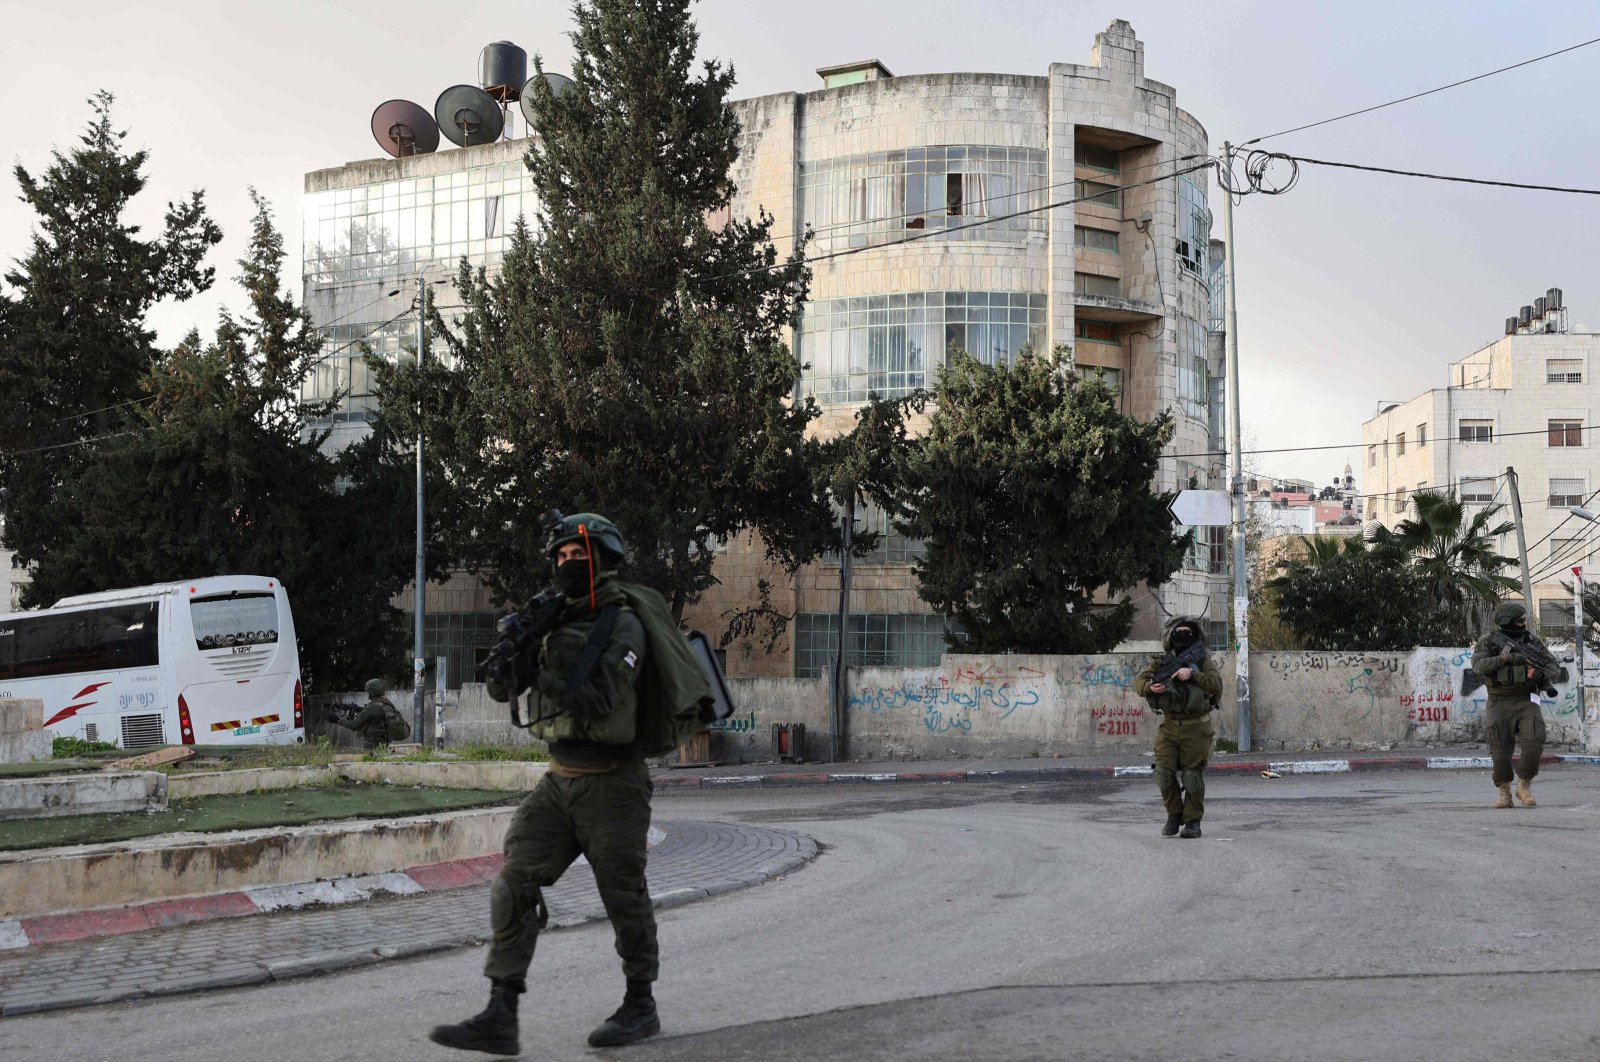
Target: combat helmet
x,y
376,688
1508,612
593,530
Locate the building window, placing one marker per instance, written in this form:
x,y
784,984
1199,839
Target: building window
x,y
877,639
1217,278
872,199
1112,378
1422,436
1372,456
1477,431
1095,284
1095,239
1097,332
1400,502
1555,618
893,344
1566,432
1400,445
462,638
1565,492
1563,370
1477,489
1098,158
1099,193
1564,549
1193,384
1194,226
892,548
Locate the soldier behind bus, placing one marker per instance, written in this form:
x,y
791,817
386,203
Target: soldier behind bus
x,y
371,723
1184,739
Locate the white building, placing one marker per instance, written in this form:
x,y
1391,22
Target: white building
x,y
987,210
1524,402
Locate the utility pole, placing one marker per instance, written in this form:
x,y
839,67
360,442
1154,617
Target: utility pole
x,y
841,663
1241,599
419,666
1522,547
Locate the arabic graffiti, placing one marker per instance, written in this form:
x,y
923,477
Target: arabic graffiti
x,y
1292,663
948,707
736,725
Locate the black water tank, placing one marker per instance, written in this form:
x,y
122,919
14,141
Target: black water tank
x,y
1553,298
502,68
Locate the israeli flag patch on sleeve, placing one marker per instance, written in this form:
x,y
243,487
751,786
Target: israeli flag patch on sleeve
x,y
632,659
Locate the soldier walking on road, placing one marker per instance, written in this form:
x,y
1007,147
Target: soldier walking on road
x,y
594,801
1185,736
1515,715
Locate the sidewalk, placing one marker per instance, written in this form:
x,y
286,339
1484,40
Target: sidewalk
x,y
1072,767
692,861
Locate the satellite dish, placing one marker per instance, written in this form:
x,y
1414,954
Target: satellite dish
x,y
404,129
468,115
559,84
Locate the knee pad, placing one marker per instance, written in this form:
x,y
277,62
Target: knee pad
x,y
1166,778
1194,781
510,906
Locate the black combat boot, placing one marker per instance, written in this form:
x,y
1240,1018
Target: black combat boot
x,y
634,1020
1171,828
1190,829
494,1030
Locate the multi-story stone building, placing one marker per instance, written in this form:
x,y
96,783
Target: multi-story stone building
x,y
1524,402
988,211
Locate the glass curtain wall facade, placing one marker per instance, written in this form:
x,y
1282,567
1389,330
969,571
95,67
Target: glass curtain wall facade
x,y
885,196
893,344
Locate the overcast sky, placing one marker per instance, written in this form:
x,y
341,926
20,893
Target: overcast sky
x,y
1353,288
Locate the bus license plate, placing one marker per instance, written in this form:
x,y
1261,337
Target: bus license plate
x,y
243,730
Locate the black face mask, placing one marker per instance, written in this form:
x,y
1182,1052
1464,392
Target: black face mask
x,y
572,577
1182,638
1517,626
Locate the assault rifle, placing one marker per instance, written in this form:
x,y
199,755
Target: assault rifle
x,y
513,662
1191,656
1532,652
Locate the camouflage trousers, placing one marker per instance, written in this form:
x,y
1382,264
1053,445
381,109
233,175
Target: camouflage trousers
x,y
1183,748
1514,721
606,819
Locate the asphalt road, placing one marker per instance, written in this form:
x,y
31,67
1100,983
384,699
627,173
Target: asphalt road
x,y
1371,916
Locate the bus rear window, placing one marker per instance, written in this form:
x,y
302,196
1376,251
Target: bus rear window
x,y
67,643
238,619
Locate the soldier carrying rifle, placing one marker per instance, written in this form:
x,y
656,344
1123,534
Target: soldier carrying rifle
x,y
1515,666
1182,687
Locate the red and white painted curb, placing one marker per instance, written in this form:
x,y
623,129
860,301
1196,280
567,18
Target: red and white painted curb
x,y
1051,773
113,921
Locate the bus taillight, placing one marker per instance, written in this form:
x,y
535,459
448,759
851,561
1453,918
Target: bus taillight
x,y
299,707
184,723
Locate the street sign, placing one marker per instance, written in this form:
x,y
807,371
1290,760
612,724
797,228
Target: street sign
x,y
1202,508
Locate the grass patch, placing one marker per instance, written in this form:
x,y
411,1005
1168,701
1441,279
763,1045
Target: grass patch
x,y
1224,745
67,748
37,770
245,811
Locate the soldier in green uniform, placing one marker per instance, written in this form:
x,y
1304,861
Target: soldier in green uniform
x,y
1515,716
594,800
1184,738
371,723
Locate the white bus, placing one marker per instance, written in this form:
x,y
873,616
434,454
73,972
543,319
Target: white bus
x,y
207,661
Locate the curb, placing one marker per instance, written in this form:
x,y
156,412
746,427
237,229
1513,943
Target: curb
x,y
115,921
789,779
331,961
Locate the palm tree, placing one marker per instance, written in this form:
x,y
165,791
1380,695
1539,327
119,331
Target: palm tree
x,y
1456,551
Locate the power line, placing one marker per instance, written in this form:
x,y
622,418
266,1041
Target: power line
x,y
942,211
364,336
1440,176
75,442
1359,445
932,233
1419,95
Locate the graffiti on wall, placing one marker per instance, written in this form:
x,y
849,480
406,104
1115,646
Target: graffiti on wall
x,y
951,705
1117,720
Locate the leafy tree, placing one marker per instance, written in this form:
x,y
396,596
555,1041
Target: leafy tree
x,y
1362,601
1032,493
219,474
1457,554
628,356
75,343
